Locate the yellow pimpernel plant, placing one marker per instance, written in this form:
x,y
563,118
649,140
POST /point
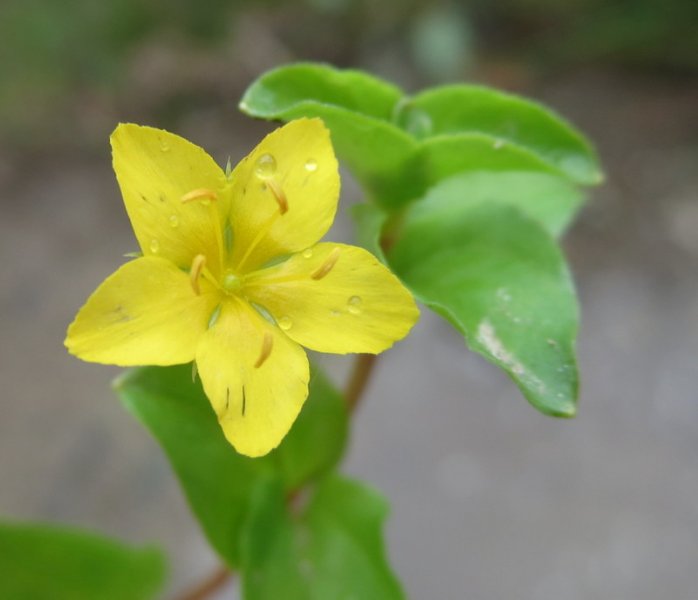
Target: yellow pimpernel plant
x,y
232,276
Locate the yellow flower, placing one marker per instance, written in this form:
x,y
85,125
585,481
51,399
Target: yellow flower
x,y
233,277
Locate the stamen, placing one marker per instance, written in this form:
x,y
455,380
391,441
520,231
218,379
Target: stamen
x,y
267,345
279,195
199,194
197,266
327,266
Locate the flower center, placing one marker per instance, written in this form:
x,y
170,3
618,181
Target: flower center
x,y
231,282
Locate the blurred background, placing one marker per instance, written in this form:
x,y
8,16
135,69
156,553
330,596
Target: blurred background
x,y
490,499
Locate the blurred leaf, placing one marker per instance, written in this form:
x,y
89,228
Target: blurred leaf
x,y
333,549
217,480
501,280
524,123
551,200
369,221
46,561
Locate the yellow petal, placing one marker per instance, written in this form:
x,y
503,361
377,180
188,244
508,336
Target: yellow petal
x,y
155,170
284,194
255,377
146,313
335,298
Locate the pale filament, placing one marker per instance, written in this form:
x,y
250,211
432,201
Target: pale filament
x,y
207,195
278,194
199,194
280,197
260,279
197,267
263,230
267,345
327,266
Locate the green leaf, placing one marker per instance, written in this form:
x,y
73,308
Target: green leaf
x,y
332,549
551,200
48,561
447,155
317,439
283,90
501,280
469,108
356,108
217,481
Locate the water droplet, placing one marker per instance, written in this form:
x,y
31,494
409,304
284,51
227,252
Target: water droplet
x,y
308,253
154,246
311,165
354,305
164,146
285,323
498,145
265,166
174,221
335,313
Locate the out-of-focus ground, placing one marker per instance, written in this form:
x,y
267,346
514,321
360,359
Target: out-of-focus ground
x,y
489,498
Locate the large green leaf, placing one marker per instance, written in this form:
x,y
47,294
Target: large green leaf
x,y
332,549
470,108
551,200
499,277
46,561
217,480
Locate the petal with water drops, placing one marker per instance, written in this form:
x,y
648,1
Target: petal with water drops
x,y
335,298
284,194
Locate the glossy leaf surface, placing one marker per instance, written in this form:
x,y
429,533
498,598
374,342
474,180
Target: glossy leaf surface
x,y
499,277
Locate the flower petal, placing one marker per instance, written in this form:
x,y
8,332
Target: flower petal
x,y
155,169
146,313
255,377
335,298
284,194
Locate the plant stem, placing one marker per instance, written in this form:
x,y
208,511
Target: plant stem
x,y
208,586
356,386
360,376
